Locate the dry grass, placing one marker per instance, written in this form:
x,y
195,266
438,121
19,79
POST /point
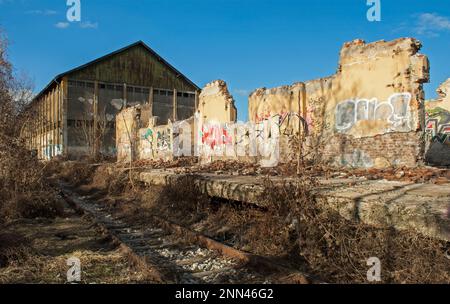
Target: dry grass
x,y
96,267
338,249
36,251
295,228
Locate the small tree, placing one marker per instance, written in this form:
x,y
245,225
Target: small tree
x,y
93,127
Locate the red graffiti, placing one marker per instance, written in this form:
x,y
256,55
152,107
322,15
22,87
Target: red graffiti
x,y
264,116
215,136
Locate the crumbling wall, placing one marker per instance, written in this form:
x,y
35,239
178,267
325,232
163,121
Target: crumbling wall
x,y
369,114
438,127
216,103
140,137
161,142
127,123
216,111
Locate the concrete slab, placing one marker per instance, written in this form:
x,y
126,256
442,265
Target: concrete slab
x,y
424,208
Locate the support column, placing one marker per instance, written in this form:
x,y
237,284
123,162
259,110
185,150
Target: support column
x,y
58,116
53,127
47,125
175,105
39,128
95,129
43,127
124,95
65,109
196,101
151,100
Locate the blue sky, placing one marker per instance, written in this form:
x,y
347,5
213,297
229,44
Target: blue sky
x,y
247,43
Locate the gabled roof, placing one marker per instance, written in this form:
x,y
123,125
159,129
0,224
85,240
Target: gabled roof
x,y
59,77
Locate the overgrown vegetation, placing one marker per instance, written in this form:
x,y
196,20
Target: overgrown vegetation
x,y
338,249
295,228
23,189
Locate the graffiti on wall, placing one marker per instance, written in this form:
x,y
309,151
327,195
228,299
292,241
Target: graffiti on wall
x,y
215,135
240,140
163,142
396,112
148,136
52,150
146,149
438,125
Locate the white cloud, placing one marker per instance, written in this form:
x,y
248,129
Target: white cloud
x,y
62,25
431,24
89,25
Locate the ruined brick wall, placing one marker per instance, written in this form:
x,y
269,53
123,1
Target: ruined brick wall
x,y
370,113
438,127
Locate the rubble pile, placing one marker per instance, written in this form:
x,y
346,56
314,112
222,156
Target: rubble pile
x,y
190,165
413,175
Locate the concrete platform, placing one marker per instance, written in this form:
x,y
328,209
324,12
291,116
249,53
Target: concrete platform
x,y
424,208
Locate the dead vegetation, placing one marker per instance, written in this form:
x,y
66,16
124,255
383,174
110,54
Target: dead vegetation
x,y
23,190
339,248
37,252
13,248
295,228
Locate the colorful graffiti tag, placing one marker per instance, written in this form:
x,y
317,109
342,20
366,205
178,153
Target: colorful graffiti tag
x,y
148,136
146,146
438,125
215,135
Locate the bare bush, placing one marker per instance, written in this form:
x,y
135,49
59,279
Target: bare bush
x,y
93,125
21,174
338,249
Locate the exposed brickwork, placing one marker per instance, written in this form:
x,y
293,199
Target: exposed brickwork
x,y
391,149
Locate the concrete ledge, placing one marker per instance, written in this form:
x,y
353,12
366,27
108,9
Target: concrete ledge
x,y
424,208
234,188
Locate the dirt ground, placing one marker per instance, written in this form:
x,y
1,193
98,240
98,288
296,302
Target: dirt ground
x,y
37,250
